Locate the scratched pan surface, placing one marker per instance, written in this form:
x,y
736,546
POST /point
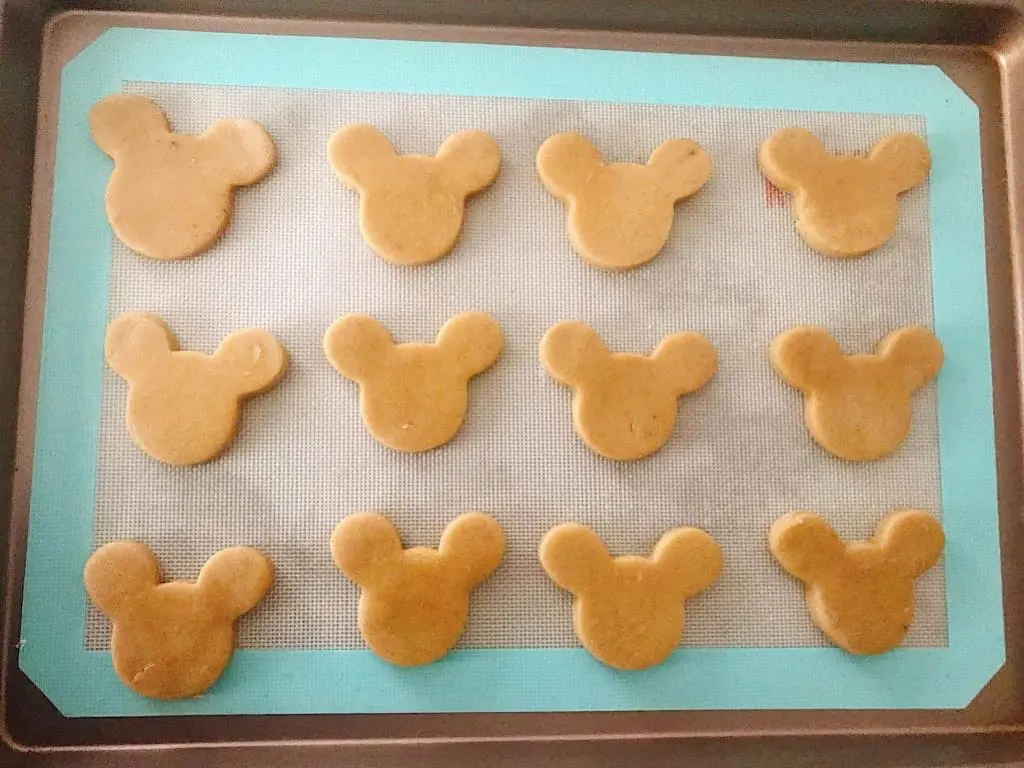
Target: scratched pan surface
x,y
979,45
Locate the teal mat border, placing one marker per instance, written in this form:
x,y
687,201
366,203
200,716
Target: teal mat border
x,y
82,683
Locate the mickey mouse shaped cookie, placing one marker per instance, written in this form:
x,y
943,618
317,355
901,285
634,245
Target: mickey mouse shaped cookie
x,y
170,194
413,397
411,206
620,214
173,640
861,595
857,407
183,407
415,602
624,405
628,611
844,206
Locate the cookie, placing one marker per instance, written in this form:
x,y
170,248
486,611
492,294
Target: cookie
x,y
620,214
413,397
844,206
173,640
628,611
414,602
411,206
857,407
170,194
861,595
624,405
183,407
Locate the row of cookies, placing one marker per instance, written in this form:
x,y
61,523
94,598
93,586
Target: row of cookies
x,y
174,640
170,194
183,407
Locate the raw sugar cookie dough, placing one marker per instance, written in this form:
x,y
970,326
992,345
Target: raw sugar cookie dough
x,y
415,602
628,611
861,595
857,407
414,396
411,206
624,405
183,407
170,194
844,206
620,214
173,640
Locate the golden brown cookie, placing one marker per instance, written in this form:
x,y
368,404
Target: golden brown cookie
x,y
183,407
411,206
624,405
861,594
415,602
173,640
620,214
170,194
844,206
628,611
857,407
413,397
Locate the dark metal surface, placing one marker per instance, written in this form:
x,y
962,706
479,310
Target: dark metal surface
x,y
980,45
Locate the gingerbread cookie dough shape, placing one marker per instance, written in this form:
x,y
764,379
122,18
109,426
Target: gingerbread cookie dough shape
x,y
413,397
415,602
844,206
857,407
624,405
620,214
173,640
628,611
861,595
170,194
183,407
411,206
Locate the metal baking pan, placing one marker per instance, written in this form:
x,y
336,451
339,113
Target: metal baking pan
x,y
980,45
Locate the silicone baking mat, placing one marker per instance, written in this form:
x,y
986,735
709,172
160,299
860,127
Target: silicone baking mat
x,y
734,269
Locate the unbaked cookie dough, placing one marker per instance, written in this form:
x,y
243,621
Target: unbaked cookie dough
x,y
411,206
844,206
620,214
170,194
183,407
624,405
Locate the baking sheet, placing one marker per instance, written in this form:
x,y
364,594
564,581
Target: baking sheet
x,y
297,679
733,269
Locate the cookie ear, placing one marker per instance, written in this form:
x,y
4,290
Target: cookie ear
x,y
914,354
805,356
236,579
689,560
471,160
134,340
805,545
122,120
357,153
355,344
472,545
476,340
791,157
683,165
688,358
254,358
365,546
565,162
241,150
571,350
902,159
913,539
574,557
118,572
